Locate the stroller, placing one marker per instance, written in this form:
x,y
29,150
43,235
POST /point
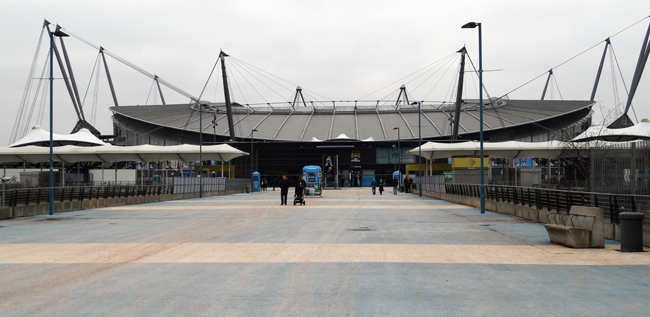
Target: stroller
x,y
299,196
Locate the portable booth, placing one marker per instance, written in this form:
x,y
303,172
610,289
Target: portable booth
x,y
313,177
256,182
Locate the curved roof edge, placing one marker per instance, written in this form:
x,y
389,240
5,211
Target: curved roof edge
x,y
38,136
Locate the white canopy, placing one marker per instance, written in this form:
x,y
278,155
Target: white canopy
x,y
639,131
39,136
510,149
109,153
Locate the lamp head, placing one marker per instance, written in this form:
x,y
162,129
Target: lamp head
x,y
470,25
396,128
6,179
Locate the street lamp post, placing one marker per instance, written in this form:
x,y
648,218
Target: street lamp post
x,y
252,185
57,33
394,157
200,150
399,156
472,25
419,147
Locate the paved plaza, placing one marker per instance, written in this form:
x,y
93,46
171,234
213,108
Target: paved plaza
x,y
348,253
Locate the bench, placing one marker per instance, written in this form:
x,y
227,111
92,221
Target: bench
x,y
582,227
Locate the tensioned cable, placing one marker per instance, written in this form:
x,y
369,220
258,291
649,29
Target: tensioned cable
x,y
93,113
451,63
487,94
570,59
435,71
557,87
90,80
411,74
263,83
450,91
28,84
41,80
235,66
263,71
153,83
133,66
623,80
41,109
234,79
198,102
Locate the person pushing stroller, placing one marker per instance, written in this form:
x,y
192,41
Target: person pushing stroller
x,y
299,197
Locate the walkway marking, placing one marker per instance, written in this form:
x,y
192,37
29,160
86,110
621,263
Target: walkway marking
x,y
78,253
307,207
315,199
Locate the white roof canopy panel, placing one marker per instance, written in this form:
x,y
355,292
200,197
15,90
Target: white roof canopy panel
x,y
147,153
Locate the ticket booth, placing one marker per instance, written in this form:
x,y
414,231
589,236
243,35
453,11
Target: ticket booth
x,y
313,176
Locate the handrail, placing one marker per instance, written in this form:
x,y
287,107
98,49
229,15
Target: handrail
x,y
549,199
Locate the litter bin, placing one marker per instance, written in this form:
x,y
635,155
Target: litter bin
x,y
631,231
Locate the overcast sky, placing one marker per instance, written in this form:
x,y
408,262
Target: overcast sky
x,y
342,50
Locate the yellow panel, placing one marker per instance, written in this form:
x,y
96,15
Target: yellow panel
x,y
468,162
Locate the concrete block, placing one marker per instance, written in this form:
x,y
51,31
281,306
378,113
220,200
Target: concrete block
x,y
543,216
530,213
6,213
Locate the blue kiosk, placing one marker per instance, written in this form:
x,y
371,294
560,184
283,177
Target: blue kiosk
x,y
398,175
256,182
313,177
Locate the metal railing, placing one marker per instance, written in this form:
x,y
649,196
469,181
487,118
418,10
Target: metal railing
x,y
550,199
26,196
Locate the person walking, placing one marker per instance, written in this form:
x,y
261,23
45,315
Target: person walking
x,y
284,190
381,186
373,184
406,184
395,184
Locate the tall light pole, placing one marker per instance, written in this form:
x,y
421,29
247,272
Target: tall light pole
x,y
252,185
57,33
472,25
419,147
200,150
399,156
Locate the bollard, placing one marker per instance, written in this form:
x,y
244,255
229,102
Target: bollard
x,y
631,231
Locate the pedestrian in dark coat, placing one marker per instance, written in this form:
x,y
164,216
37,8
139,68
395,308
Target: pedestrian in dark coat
x,y
373,184
381,186
406,184
284,190
395,184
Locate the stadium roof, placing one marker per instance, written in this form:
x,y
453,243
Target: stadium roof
x,y
503,121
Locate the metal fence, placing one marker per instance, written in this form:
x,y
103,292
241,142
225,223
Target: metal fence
x,y
621,168
551,199
180,185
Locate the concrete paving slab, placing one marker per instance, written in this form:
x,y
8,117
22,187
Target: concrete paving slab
x,y
348,253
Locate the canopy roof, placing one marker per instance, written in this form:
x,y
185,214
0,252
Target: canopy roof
x,y
640,131
510,149
147,153
38,136
503,120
